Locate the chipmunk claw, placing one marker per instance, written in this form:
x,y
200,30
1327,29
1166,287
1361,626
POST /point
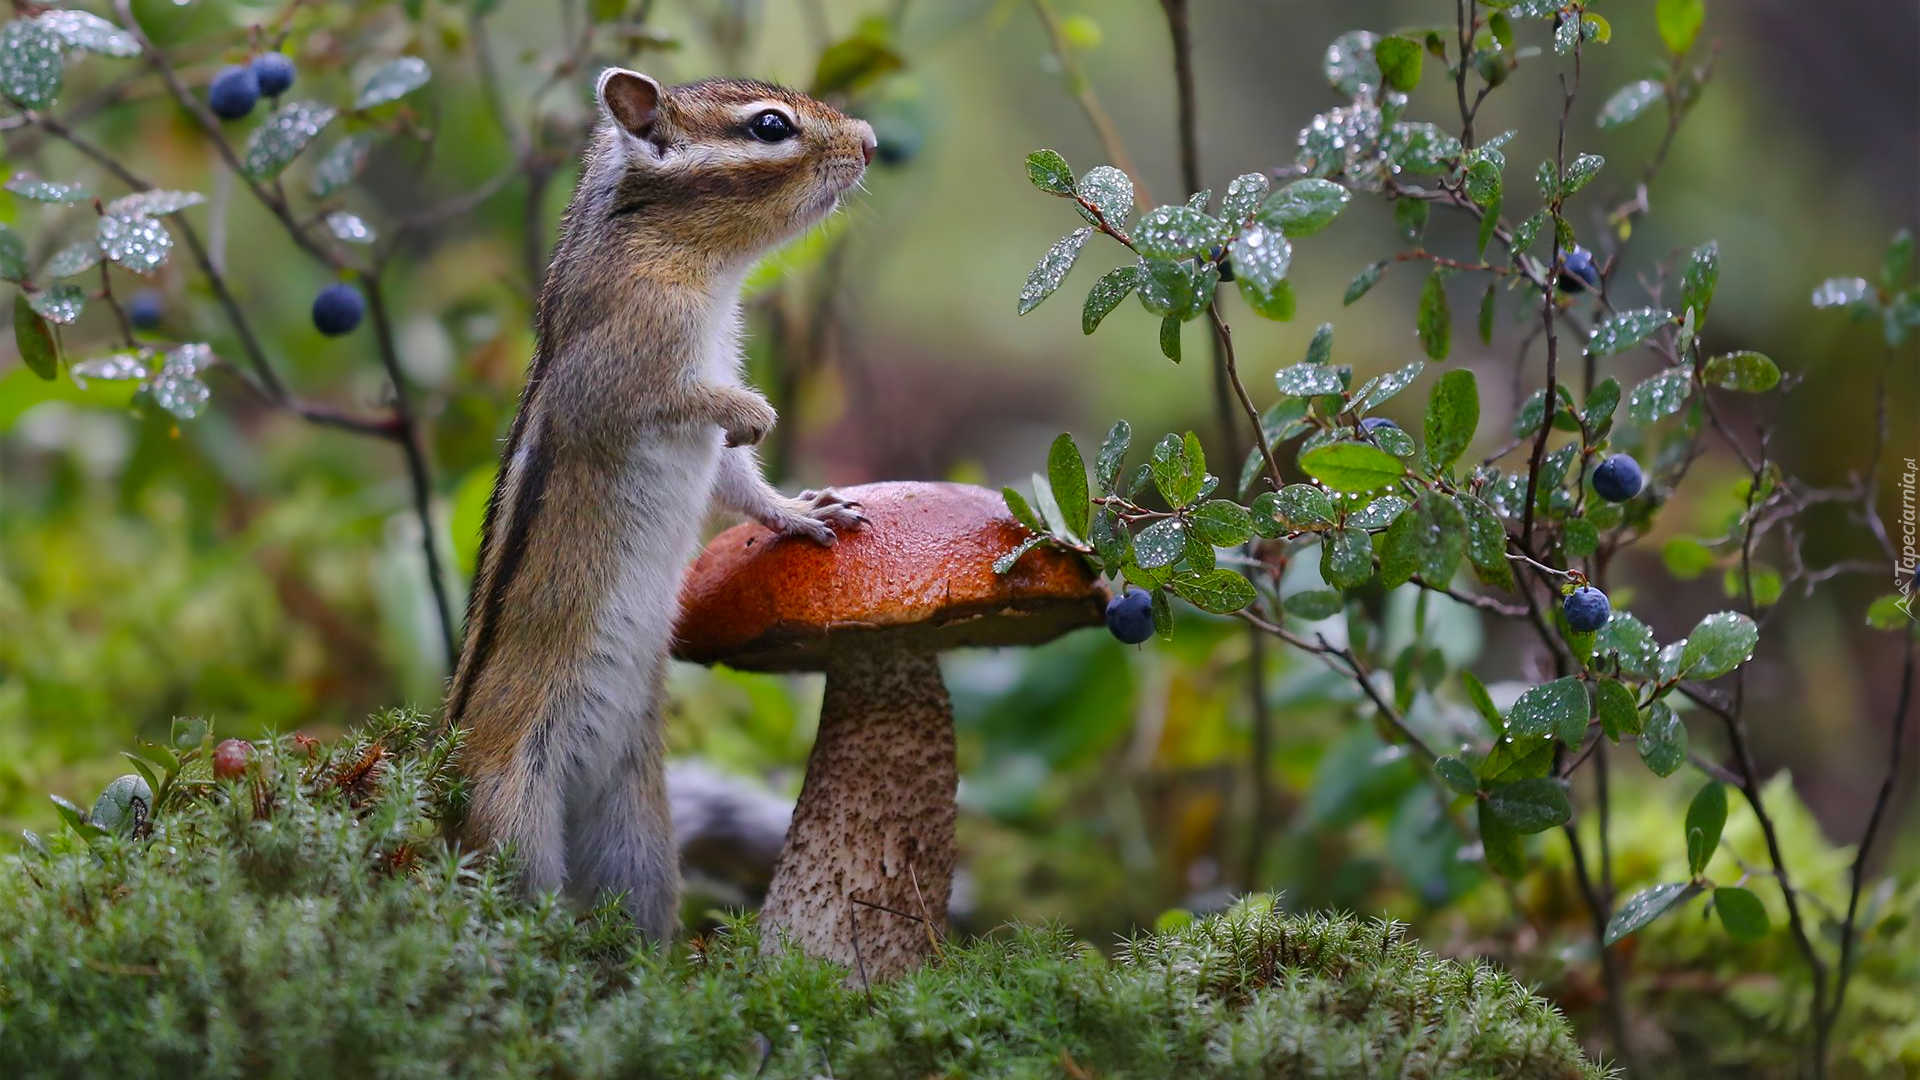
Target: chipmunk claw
x,y
820,516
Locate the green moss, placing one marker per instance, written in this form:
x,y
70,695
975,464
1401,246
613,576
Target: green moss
x,y
308,922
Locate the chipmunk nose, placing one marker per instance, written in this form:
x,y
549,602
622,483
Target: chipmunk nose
x,y
869,144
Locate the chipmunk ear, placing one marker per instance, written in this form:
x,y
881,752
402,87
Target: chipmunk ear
x,y
632,99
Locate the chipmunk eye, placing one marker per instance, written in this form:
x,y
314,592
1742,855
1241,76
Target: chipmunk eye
x,y
771,127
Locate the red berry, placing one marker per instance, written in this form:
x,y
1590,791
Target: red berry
x,y
230,759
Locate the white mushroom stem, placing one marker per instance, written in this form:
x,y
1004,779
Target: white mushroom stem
x,y
867,870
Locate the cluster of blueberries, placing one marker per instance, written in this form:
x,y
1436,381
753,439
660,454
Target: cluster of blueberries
x,y
233,93
1617,479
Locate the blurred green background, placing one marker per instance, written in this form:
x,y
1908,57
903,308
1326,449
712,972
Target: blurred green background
x,y
265,573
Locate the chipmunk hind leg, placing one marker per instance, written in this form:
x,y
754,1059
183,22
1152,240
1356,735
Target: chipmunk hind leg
x,y
620,829
519,808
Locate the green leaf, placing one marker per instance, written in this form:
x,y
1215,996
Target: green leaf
x,y
1700,278
1453,415
1005,563
340,165
13,255
1049,172
34,340
1623,330
1399,61
1580,539
1346,557
1897,263
1663,740
1067,476
1113,452
1261,257
1890,612
1580,173
1219,591
1304,207
1244,196
1628,102
1379,513
1626,637
1109,190
1430,538
1455,774
282,135
1483,703
29,186
1742,913
1351,466
76,818
1663,395
1748,371
1349,64
1530,806
1320,349
1645,906
141,244
1309,379
1486,543
1679,22
1505,851
1179,232
1435,322
1410,215
1363,282
1687,558
1302,506
60,303
1613,702
31,63
1052,269
392,81
90,33
1555,708
1170,338
1706,817
1160,544
1222,523
1315,604
1487,302
1179,469
1719,643
1600,404
1166,287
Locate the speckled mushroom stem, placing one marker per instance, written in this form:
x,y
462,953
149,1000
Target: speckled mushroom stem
x,y
868,865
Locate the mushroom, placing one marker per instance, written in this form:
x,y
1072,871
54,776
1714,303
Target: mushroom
x,y
867,869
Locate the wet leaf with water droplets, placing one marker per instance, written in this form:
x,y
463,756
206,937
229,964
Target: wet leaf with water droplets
x,y
29,186
141,244
1833,292
1527,231
282,135
1386,386
1663,740
59,304
1346,557
1349,64
154,203
1005,563
1363,283
1699,279
1748,371
1645,906
1052,269
1219,591
1050,172
1302,506
90,33
1555,708
1106,294
1453,416
13,255
1244,196
1625,329
349,227
1629,102
1580,173
1351,466
340,165
1261,257
1166,287
33,339
31,63
177,387
1178,232
1614,704
1663,395
74,259
1435,321
1718,644
1315,604
1160,544
1379,513
1304,207
1422,149
123,366
1486,543
1111,193
1530,806
1308,379
391,81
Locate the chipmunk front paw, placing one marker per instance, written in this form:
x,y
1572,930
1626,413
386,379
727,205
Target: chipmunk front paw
x,y
746,418
818,516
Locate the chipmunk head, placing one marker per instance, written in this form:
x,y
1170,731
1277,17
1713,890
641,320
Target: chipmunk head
x,y
723,167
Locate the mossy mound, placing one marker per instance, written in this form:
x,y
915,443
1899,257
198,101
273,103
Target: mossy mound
x,y
305,921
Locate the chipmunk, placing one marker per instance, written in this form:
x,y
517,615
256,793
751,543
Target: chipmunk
x,y
633,421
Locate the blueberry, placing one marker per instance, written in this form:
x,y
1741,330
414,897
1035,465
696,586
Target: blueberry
x,y
144,309
1581,273
1618,478
275,73
1130,616
338,309
1374,423
1586,609
233,92
1219,258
